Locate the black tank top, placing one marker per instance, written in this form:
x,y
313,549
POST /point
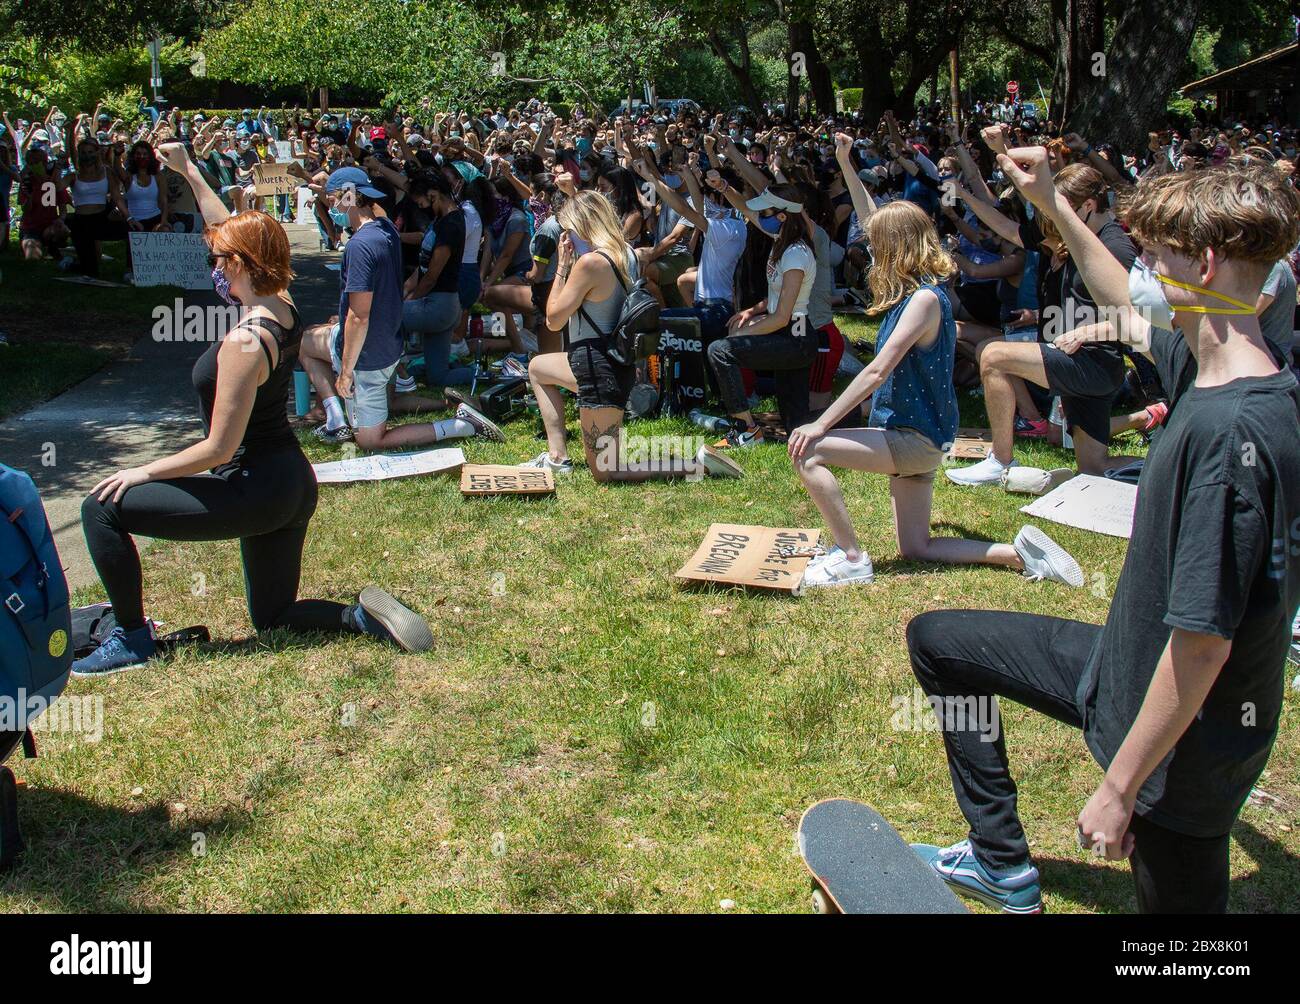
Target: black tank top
x,y
268,423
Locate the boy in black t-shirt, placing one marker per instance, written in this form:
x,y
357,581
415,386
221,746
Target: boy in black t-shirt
x,y
1179,694
1086,381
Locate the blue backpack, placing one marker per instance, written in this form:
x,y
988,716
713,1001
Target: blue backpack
x,y
35,619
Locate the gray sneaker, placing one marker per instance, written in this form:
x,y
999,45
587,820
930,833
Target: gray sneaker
x,y
1044,558
483,425
544,462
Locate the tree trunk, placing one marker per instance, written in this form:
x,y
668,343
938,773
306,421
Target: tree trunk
x,y
821,91
875,70
740,70
1145,57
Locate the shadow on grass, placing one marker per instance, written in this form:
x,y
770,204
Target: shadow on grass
x,y
1110,890
88,857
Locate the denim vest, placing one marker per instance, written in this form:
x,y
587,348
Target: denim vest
x,y
918,394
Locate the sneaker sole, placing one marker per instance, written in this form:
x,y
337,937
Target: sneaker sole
x,y
408,628
988,899
1059,558
861,581
731,468
460,397
105,672
972,484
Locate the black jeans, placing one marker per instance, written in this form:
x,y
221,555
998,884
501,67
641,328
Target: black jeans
x,y
265,501
789,357
87,229
970,656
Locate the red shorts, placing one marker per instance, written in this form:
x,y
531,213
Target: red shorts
x,y
830,350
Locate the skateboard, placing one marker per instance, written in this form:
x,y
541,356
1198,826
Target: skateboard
x,y
859,864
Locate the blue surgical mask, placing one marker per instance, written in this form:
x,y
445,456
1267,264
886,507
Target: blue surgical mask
x,y
222,285
339,216
580,247
771,224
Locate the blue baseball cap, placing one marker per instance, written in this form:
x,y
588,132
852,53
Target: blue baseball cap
x,y
353,177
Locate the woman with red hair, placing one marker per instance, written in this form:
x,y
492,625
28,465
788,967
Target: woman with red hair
x,y
248,478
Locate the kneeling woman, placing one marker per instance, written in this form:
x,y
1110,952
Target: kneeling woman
x,y
247,479
913,418
594,272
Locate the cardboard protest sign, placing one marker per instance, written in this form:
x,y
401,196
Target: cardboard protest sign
x,y
1091,503
502,479
304,212
170,259
760,556
972,444
382,466
274,179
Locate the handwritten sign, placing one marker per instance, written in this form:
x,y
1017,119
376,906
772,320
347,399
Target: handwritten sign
x,y
972,444
760,556
274,179
1089,503
170,259
499,479
382,466
306,203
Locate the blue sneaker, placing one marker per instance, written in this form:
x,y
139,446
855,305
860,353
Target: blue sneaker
x,y
121,650
379,615
1016,891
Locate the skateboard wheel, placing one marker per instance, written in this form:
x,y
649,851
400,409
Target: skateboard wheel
x,y
821,903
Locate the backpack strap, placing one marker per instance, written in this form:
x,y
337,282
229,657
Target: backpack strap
x,y
583,310
29,745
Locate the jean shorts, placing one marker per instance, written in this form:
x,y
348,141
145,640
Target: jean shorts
x,y
368,405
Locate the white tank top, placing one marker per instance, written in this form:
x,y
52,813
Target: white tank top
x,y
142,202
473,233
90,193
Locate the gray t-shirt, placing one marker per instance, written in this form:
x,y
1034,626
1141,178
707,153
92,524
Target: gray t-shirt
x,y
820,312
1278,319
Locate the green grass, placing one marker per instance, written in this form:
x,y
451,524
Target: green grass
x,y
585,735
61,332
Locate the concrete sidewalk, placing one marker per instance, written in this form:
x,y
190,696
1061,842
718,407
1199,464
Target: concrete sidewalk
x,y
133,411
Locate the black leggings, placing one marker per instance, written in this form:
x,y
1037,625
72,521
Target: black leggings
x,y
265,501
87,229
788,356
967,657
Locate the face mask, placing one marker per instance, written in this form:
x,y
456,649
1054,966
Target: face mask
x,y
713,211
222,286
771,224
340,217
580,247
1146,292
584,174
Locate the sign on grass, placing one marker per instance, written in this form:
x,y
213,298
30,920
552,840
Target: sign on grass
x,y
500,479
1089,503
972,444
760,556
382,466
170,259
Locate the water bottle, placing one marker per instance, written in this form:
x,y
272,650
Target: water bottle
x,y
1057,417
710,423
301,392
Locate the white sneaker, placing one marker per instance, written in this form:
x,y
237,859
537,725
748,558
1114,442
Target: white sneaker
x,y
987,472
834,569
405,385
544,462
459,350
1044,558
716,464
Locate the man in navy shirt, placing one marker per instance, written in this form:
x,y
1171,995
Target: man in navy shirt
x,y
354,357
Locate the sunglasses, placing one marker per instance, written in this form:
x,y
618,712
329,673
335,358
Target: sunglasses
x,y
214,259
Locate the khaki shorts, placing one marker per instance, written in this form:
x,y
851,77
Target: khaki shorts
x,y
914,454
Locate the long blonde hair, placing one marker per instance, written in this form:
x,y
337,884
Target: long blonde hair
x,y
592,217
907,254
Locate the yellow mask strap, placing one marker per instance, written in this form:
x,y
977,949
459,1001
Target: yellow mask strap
x,y
1237,306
